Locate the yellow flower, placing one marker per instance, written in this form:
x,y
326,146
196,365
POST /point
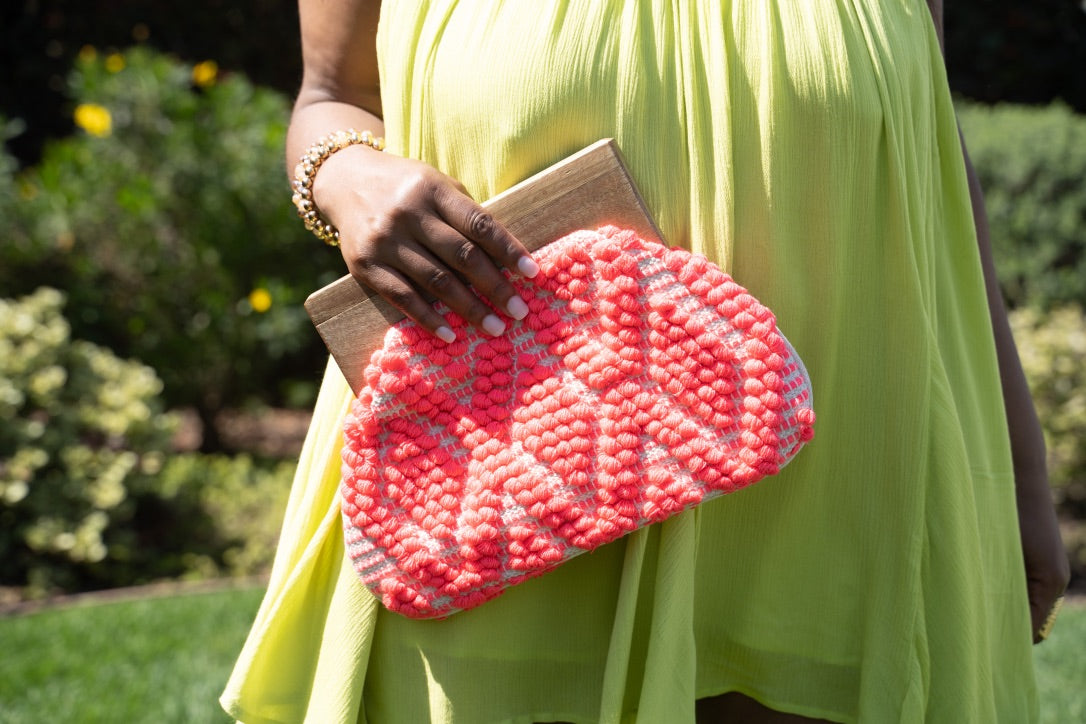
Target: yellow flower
x,y
94,119
114,62
27,191
87,54
204,74
260,300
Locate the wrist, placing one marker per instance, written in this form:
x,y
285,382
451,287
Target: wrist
x,y
306,173
334,187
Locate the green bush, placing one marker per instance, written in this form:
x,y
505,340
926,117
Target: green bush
x,y
90,495
1053,350
241,501
1031,163
82,431
168,222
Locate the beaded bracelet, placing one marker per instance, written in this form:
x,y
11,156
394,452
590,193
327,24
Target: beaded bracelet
x,y
1050,621
306,171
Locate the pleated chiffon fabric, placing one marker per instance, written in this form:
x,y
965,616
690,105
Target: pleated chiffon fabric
x,y
809,148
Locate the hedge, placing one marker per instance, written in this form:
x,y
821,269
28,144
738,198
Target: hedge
x,y
91,493
167,219
1052,347
1031,163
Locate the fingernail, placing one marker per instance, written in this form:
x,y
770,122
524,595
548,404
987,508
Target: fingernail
x,y
517,308
445,334
527,267
492,325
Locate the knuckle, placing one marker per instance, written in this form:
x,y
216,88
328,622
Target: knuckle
x,y
476,312
370,236
480,224
417,185
361,263
501,290
385,227
440,282
468,256
399,297
513,249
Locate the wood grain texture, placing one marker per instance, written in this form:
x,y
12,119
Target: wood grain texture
x,y
587,190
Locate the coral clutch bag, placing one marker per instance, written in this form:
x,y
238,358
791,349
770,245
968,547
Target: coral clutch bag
x,y
643,382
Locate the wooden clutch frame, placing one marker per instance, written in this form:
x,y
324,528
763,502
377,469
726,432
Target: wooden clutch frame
x,y
587,190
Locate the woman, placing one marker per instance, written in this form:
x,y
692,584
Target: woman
x,y
808,147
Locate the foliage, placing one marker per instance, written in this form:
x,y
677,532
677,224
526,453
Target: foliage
x,y
40,40
163,218
1031,164
89,494
82,432
1052,347
241,502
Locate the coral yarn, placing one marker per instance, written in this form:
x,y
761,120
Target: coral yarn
x,y
643,381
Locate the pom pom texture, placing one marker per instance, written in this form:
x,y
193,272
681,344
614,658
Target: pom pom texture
x,y
643,381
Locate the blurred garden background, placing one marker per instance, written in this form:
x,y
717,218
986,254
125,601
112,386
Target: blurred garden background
x,y
156,364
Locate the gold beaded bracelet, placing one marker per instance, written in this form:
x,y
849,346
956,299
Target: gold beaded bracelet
x,y
306,171
1050,620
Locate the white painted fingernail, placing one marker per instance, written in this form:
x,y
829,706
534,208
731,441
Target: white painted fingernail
x,y
517,308
492,325
445,334
527,267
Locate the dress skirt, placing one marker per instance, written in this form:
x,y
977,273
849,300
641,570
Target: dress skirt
x,y
809,147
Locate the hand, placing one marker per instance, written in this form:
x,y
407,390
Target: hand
x,y
1047,567
408,229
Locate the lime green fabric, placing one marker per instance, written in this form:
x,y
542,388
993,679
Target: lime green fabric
x,y
810,148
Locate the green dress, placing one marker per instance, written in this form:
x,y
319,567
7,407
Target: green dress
x,y
810,148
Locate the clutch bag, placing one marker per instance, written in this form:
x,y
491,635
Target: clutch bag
x,y
644,381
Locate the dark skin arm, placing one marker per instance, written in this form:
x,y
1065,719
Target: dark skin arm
x,y
405,228
1047,567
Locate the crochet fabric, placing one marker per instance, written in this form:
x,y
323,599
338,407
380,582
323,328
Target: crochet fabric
x,y
643,381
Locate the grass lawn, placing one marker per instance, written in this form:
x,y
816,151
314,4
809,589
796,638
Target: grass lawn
x,y
1061,667
149,660
166,659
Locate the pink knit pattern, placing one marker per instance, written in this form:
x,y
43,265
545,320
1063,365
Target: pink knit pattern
x,y
643,381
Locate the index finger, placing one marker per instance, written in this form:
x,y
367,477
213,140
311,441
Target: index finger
x,y
480,227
